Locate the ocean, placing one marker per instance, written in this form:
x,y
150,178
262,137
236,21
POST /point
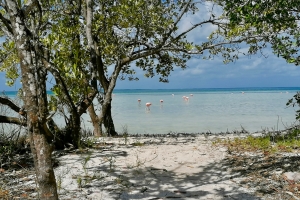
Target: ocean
x,y
206,110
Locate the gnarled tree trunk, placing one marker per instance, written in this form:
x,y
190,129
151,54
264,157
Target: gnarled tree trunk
x,y
107,119
35,101
95,121
74,129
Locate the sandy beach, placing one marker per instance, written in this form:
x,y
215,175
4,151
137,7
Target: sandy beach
x,y
149,168
170,167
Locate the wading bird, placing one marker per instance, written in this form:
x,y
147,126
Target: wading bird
x,y
148,104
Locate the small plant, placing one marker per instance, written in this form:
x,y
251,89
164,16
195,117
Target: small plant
x,y
125,134
88,142
138,161
59,182
138,143
84,163
79,182
60,177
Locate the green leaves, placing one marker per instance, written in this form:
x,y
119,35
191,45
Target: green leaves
x,y
274,22
9,62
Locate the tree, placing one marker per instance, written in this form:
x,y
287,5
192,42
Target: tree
x,y
22,24
117,35
62,47
275,22
272,22
70,68
124,34
26,53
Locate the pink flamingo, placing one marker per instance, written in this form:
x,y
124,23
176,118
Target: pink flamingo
x,y
186,98
148,104
139,101
161,101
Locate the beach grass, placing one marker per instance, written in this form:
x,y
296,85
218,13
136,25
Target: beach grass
x,y
268,143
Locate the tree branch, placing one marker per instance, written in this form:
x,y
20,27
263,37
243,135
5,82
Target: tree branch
x,y
86,103
12,120
13,106
7,23
29,6
60,80
193,27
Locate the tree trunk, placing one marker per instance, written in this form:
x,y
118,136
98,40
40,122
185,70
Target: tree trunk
x,y
35,101
105,117
95,121
108,121
42,150
74,129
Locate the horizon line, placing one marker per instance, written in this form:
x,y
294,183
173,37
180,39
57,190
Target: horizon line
x,y
187,88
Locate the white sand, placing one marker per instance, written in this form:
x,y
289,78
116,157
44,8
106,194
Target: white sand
x,y
157,168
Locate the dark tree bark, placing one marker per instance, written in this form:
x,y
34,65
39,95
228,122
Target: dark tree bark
x,y
74,129
12,105
108,121
12,120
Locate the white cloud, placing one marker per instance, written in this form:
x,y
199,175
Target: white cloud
x,y
201,33
191,71
252,64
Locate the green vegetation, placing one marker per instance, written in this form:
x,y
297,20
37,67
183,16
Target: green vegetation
x,y
266,144
86,46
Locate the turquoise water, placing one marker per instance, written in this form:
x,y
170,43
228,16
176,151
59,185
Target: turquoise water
x,y
212,110
215,110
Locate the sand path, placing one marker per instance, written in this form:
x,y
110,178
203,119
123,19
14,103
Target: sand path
x,y
149,168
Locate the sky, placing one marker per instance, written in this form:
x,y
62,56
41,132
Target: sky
x,y
245,72
254,71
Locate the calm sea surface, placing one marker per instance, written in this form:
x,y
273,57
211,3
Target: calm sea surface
x,y
212,110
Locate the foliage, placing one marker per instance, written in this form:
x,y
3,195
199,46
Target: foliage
x,y
68,55
270,143
271,21
9,62
293,102
90,44
260,22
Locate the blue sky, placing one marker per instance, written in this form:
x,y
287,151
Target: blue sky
x,y
245,72
256,71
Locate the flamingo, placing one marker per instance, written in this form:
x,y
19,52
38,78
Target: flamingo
x,y
148,104
186,98
139,101
173,95
191,95
161,101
